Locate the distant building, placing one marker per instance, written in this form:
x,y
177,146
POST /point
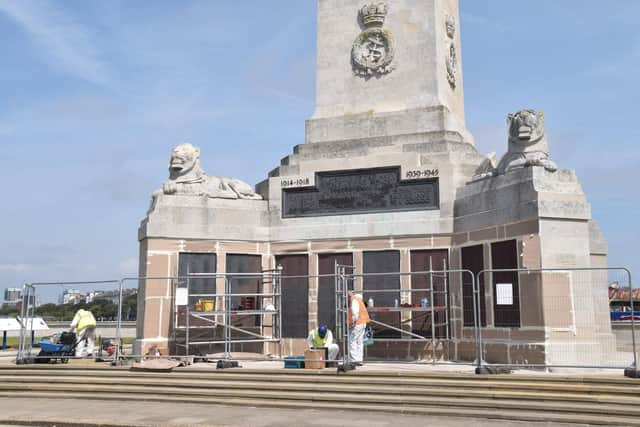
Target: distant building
x,y
620,301
12,297
72,296
112,296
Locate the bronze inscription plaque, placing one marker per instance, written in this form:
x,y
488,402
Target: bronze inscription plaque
x,y
360,191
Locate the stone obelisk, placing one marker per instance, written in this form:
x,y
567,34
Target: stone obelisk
x,y
387,69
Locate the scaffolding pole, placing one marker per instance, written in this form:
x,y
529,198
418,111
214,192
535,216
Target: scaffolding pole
x,y
210,318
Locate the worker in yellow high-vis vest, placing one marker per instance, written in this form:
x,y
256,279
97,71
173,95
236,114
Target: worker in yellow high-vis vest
x,y
84,325
321,337
358,320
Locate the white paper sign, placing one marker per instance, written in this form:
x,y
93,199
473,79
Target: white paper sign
x,y
9,324
182,298
504,294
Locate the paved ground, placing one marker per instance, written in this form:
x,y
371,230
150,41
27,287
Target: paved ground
x,y
59,412
44,412
419,367
8,358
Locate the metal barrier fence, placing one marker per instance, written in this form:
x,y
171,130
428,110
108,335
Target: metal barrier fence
x,y
29,324
554,318
242,309
414,318
517,318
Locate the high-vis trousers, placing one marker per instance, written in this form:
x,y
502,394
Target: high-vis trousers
x,y
85,341
332,351
356,345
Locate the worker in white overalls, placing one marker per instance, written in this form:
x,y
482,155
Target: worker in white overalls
x,y
84,325
321,337
358,320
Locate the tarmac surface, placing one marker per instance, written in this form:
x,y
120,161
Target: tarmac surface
x,y
68,412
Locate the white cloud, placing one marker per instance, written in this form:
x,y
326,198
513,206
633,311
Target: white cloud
x,y
67,45
18,268
128,266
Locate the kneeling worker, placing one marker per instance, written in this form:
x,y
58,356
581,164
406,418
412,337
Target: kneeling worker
x,y
321,337
84,325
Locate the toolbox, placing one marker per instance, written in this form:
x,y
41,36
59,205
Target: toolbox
x,y
294,362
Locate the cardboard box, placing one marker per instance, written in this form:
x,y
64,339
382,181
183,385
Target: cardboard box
x,y
314,359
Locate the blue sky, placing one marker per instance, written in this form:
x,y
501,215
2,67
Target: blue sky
x,y
95,94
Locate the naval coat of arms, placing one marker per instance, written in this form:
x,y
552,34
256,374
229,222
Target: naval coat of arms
x,y
373,49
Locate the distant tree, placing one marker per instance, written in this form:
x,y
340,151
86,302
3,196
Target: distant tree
x,y
102,309
130,307
8,311
49,311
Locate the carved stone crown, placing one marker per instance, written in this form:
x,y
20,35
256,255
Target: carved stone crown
x,y
373,14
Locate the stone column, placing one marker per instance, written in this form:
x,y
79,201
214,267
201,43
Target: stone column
x,y
358,264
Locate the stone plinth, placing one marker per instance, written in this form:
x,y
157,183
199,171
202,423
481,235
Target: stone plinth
x,y
553,210
445,153
188,217
519,195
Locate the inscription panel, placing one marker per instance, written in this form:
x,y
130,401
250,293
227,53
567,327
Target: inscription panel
x,y
360,191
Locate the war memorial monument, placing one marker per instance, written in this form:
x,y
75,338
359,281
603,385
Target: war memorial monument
x,y
388,179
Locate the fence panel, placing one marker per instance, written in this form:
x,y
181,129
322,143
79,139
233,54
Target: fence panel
x,y
44,324
564,319
428,306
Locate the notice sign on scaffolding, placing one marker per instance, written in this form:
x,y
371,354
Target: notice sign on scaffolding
x,y
504,293
182,297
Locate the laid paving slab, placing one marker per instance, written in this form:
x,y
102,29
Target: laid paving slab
x,y
419,367
75,412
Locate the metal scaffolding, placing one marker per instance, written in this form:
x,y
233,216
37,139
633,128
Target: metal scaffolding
x,y
215,311
27,313
345,278
344,282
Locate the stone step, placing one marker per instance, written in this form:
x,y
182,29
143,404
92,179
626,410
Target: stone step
x,y
519,414
541,403
609,379
524,382
618,378
524,392
603,400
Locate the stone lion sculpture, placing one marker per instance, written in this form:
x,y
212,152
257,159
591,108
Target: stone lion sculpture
x,y
527,146
186,177
487,167
527,142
